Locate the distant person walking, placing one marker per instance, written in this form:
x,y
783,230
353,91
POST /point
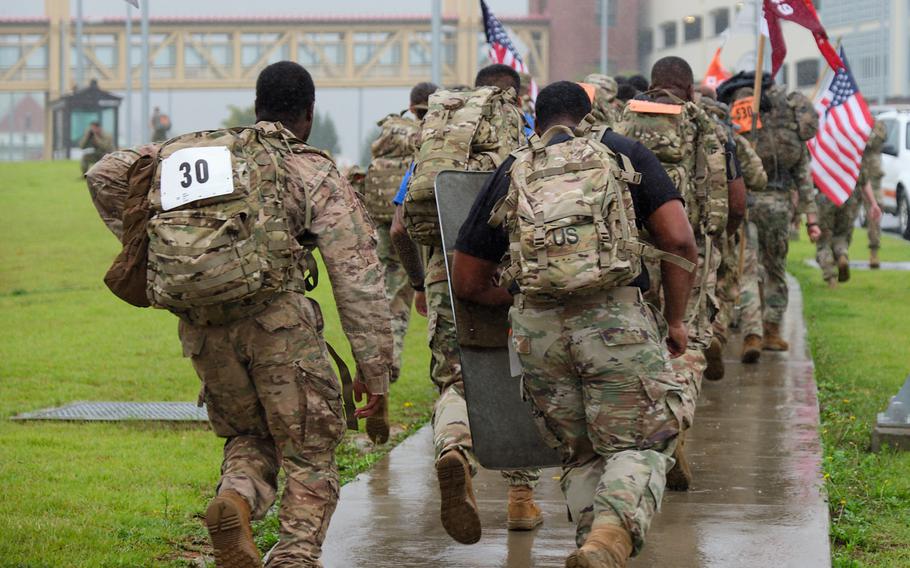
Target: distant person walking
x,y
161,125
98,142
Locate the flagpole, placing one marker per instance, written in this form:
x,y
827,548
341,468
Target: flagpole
x,y
436,43
759,65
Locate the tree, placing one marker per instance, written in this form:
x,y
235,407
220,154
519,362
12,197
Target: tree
x,y
365,154
239,116
324,135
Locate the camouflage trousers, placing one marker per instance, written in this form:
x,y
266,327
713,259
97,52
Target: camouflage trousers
x,y
451,429
771,214
750,314
271,392
398,291
727,286
874,232
836,224
603,394
737,288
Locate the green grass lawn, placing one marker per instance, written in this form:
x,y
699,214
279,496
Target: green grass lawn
x,y
110,495
859,335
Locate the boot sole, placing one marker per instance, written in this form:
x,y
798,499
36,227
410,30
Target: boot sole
x,y
232,547
579,559
525,524
458,514
377,430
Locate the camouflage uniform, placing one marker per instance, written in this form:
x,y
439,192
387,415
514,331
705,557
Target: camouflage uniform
x,y
597,376
733,284
604,106
97,145
268,384
780,143
108,188
836,223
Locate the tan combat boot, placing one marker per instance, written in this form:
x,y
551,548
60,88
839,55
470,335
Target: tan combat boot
x,y
680,475
608,546
458,510
524,514
832,283
752,345
843,268
228,522
378,424
772,340
874,263
714,356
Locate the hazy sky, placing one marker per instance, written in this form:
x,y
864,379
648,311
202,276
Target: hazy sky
x,y
202,110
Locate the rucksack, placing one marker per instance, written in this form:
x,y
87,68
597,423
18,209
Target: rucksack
x,y
571,219
391,153
788,123
602,108
685,140
220,247
468,130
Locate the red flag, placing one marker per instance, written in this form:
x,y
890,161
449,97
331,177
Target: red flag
x,y
716,74
803,13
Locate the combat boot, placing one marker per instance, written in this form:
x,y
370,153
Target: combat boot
x,y
874,263
378,424
524,514
772,340
458,510
228,522
608,546
680,475
714,357
752,345
832,283
843,268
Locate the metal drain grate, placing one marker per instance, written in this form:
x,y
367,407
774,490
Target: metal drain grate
x,y
83,411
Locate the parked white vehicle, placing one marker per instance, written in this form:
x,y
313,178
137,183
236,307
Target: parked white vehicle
x,y
896,164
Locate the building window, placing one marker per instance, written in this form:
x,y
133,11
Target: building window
x,y
668,32
692,28
806,73
645,42
721,20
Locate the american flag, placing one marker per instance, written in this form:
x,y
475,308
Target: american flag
x,y
502,50
844,127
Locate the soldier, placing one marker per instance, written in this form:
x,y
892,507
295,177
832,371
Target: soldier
x,y
594,357
787,123
837,223
267,382
699,157
161,125
606,107
97,142
455,462
736,279
876,140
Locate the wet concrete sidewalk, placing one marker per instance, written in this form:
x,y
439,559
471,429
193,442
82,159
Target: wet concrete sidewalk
x,y
756,499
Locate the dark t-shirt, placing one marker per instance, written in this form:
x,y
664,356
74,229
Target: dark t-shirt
x,y
478,239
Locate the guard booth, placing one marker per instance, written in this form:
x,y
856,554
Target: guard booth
x,y
72,114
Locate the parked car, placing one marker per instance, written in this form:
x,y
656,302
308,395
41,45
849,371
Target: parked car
x,y
896,164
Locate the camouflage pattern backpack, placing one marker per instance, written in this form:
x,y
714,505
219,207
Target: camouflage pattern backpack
x,y
788,123
685,140
391,155
570,218
604,96
220,247
469,130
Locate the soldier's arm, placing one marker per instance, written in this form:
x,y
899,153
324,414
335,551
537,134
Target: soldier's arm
x,y
347,242
736,188
108,187
669,226
408,251
474,279
753,171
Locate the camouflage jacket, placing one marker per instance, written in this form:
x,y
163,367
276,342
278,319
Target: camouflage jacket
x,y
871,167
346,239
108,188
753,171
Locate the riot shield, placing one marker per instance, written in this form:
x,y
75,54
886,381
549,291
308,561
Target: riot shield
x,y
504,434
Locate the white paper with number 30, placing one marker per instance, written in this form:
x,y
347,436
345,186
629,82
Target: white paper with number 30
x,y
192,174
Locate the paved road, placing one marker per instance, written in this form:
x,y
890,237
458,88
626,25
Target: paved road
x,y
756,499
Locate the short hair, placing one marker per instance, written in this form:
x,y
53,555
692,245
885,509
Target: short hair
x,y
620,79
562,99
284,92
498,75
639,82
672,72
707,92
626,92
420,95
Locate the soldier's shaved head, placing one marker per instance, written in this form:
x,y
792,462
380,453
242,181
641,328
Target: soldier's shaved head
x,y
498,75
673,74
561,102
285,93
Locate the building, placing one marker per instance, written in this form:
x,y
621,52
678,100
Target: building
x,y
873,34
